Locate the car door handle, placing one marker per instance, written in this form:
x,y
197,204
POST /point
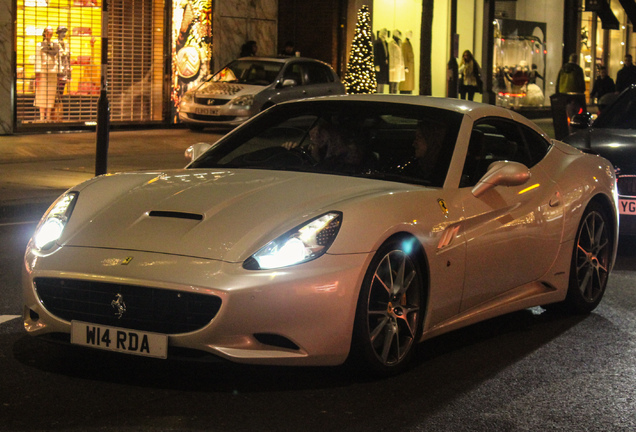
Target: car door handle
x,y
555,201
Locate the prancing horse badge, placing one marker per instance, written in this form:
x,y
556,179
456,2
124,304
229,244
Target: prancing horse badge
x,y
442,205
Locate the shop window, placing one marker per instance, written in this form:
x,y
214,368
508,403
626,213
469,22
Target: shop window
x,y
519,63
58,60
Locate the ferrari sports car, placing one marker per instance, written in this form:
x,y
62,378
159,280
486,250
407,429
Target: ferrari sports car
x,y
327,231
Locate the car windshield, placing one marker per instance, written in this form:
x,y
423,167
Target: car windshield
x,y
621,114
256,72
395,142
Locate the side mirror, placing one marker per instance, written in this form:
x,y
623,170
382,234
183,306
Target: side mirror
x,y
289,82
581,121
502,173
196,150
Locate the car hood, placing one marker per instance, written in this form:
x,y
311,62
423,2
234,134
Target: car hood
x,y
616,145
225,89
224,215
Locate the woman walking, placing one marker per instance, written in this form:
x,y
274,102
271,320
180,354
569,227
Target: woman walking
x,y
470,79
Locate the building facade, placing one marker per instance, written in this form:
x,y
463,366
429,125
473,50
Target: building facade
x,y
50,50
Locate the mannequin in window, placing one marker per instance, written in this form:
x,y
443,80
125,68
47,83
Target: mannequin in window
x,y
396,62
64,69
46,69
381,60
407,86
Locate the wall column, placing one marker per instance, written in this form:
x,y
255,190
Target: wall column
x,y
488,43
7,67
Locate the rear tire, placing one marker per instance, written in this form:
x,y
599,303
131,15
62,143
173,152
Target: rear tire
x,y
390,310
591,260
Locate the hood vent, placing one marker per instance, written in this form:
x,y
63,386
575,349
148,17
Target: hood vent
x,y
176,215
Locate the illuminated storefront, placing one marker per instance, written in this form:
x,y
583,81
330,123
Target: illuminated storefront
x,y
606,35
526,33
58,61
158,49
405,16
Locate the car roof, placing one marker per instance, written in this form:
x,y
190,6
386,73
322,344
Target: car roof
x,y
456,105
473,110
281,59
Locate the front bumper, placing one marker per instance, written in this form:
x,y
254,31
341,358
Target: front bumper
x,y
311,306
225,115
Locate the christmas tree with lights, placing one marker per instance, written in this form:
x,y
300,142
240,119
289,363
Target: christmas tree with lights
x,y
360,76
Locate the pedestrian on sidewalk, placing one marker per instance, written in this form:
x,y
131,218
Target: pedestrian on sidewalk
x,y
469,76
603,84
571,78
627,75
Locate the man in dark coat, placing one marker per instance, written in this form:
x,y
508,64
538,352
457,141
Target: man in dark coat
x,y
626,76
603,84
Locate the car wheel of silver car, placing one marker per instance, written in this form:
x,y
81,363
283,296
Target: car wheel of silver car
x,y
390,308
591,260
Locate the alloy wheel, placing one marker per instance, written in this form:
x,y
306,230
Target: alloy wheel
x,y
592,257
393,307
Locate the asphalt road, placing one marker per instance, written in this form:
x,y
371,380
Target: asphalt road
x,y
526,371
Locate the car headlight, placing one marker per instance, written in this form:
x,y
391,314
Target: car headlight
x,y
52,225
188,97
244,101
301,244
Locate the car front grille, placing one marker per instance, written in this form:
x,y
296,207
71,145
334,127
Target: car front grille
x,y
626,185
210,101
146,308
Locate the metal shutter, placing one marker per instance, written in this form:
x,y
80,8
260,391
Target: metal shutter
x,y
135,70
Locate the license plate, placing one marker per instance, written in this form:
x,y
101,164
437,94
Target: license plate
x,y
626,206
119,339
207,111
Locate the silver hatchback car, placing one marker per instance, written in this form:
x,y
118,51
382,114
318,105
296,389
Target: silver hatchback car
x,y
249,85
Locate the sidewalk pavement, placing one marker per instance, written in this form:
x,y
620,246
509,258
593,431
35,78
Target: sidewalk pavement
x,y
36,168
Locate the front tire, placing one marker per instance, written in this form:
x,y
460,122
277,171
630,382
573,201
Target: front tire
x,y
591,260
389,311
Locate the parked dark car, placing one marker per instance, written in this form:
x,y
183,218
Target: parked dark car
x,y
613,136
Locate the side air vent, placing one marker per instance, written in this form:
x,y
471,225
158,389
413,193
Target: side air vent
x,y
275,340
176,215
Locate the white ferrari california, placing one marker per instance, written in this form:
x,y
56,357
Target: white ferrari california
x,y
325,231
